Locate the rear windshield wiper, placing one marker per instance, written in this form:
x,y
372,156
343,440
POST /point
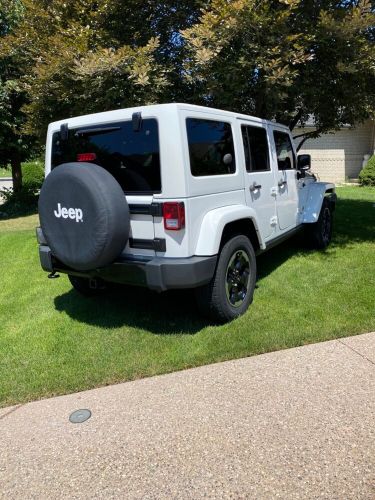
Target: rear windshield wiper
x,y
95,131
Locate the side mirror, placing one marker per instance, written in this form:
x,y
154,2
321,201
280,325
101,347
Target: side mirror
x,y
303,163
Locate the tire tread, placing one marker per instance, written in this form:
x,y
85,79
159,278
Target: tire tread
x,y
210,297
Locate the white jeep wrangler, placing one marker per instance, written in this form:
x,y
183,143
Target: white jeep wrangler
x,y
175,196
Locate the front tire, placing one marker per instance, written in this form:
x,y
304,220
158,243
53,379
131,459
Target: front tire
x,y
319,234
230,292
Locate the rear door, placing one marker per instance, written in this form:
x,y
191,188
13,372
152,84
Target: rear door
x,y
131,154
259,176
286,179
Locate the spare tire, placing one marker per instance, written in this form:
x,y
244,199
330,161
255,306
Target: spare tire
x,y
84,215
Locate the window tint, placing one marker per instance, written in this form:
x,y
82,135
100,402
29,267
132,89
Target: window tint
x,y
256,148
284,151
131,157
211,147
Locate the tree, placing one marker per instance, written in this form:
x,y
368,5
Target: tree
x,y
14,145
285,59
87,56
277,59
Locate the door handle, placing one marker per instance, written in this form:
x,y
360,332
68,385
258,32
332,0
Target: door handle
x,y
255,186
282,183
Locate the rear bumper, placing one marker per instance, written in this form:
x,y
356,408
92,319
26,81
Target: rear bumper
x,y
157,273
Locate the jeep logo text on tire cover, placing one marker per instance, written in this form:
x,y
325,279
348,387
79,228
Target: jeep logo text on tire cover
x,y
71,213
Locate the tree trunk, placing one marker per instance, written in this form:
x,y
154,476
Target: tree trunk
x,y
260,105
296,119
16,174
308,135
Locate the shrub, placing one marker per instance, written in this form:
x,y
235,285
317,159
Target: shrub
x,y
367,174
25,201
17,204
32,175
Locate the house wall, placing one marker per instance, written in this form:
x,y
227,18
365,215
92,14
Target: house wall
x,y
338,156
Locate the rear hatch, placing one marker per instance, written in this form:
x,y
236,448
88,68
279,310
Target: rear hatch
x,y
130,151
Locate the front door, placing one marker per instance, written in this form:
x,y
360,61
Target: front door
x,y
286,180
260,179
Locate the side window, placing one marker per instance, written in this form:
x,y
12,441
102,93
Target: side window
x,y
284,151
211,147
256,148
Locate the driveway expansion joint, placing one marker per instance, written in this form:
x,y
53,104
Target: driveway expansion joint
x,y
12,410
356,352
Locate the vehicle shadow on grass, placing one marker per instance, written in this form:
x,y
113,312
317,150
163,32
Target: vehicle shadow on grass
x,y
169,313
354,222
175,311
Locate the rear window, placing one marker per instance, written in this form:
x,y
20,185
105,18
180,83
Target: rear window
x,y
211,147
132,157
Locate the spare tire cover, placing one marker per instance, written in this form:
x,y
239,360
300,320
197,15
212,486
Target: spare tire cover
x,y
84,215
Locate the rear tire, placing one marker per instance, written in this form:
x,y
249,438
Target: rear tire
x,y
230,292
319,234
86,286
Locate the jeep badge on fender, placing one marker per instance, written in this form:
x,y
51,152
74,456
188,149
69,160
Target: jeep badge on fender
x,y
175,196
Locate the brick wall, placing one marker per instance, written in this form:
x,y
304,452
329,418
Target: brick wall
x,y
339,155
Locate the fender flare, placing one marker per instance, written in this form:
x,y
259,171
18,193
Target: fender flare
x,y
213,225
317,192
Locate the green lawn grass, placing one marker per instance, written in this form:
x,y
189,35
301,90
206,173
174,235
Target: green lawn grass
x,y
52,341
5,172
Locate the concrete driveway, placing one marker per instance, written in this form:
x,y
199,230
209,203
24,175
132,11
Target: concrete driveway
x,y
291,424
5,182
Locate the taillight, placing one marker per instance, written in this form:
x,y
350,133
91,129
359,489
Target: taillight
x,y
86,156
174,215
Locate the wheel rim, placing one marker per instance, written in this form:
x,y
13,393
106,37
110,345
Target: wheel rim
x,y
326,225
237,278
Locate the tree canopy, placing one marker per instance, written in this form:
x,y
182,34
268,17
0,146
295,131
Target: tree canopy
x,y
277,59
14,143
286,59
